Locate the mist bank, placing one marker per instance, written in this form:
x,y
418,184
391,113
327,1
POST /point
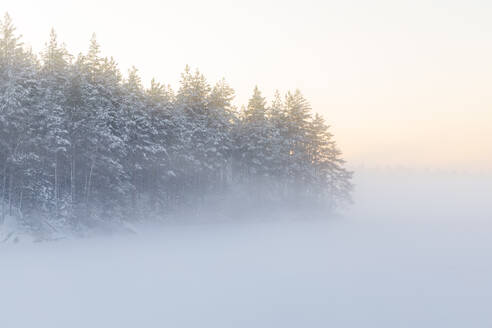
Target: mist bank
x,y
424,198
313,273
396,193
413,250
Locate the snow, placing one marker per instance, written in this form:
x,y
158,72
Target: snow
x,y
413,252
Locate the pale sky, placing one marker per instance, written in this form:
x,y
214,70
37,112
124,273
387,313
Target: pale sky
x,y
406,83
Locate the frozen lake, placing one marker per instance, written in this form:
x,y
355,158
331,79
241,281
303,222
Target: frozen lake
x,y
411,254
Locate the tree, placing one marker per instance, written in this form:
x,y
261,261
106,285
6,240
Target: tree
x,y
18,94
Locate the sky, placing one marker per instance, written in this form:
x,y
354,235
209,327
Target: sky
x,y
402,83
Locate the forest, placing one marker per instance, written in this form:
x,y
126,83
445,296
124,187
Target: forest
x,y
82,145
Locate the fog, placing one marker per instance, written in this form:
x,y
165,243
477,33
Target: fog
x,y
412,251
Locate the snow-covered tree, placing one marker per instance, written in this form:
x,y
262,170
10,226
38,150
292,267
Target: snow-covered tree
x,y
81,146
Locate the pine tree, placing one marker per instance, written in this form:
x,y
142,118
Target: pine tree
x,y
193,102
52,118
297,114
18,94
330,181
161,177
255,135
220,120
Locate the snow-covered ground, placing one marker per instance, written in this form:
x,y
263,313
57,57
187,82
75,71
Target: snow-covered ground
x,y
415,251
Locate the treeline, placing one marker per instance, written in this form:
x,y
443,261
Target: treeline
x,y
80,144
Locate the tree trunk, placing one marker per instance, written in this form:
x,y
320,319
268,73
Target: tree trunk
x,y
72,178
57,205
10,194
4,190
89,182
